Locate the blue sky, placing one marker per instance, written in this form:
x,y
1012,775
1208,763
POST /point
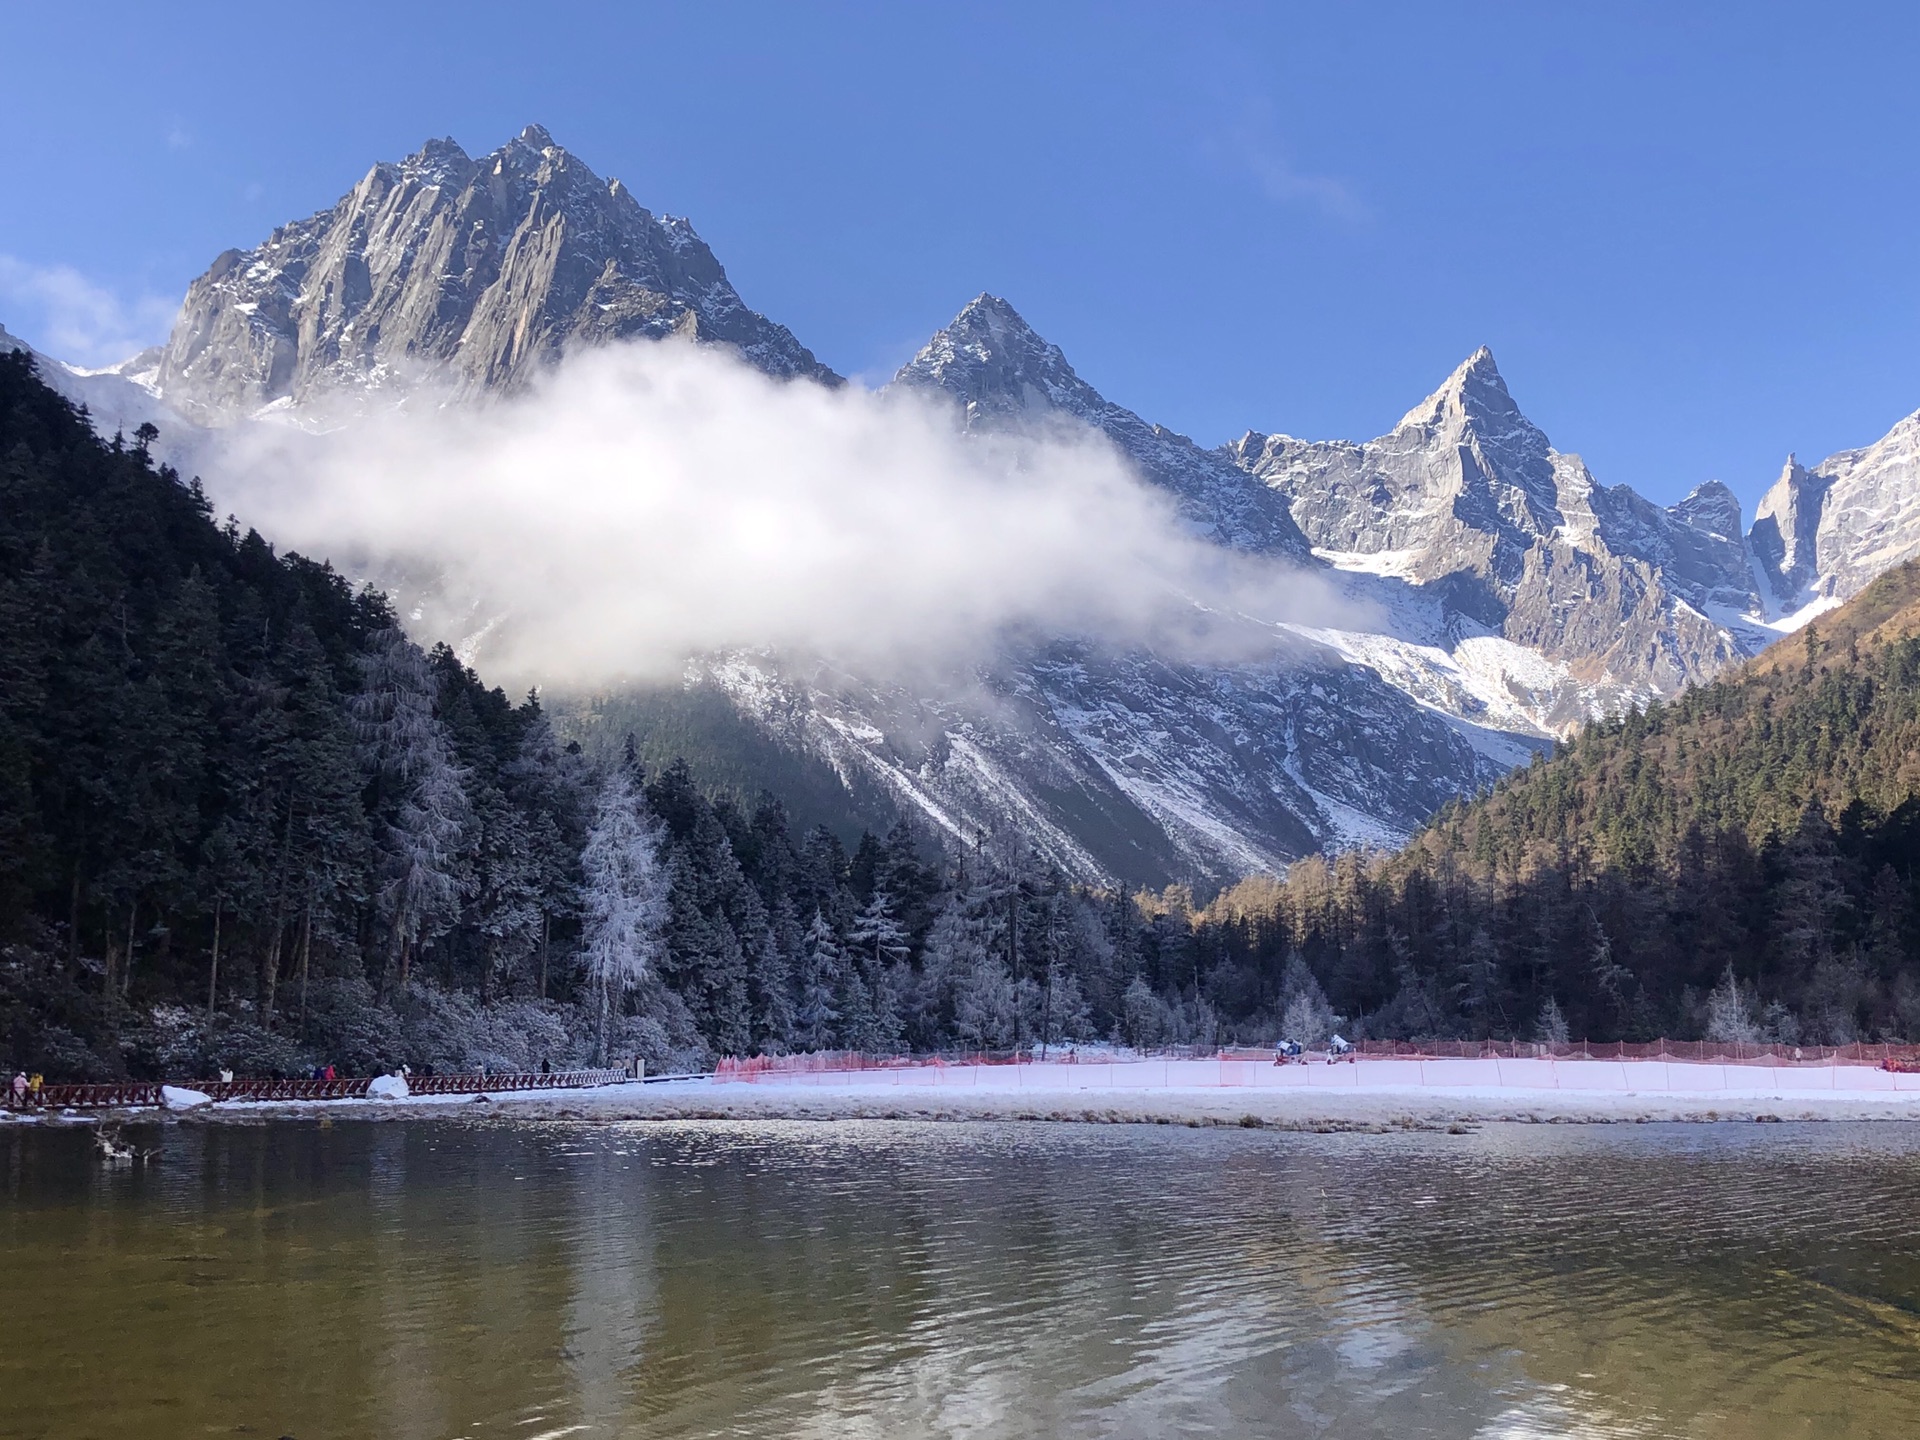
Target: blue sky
x,y
1689,233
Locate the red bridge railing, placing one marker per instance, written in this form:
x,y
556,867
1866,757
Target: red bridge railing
x,y
130,1093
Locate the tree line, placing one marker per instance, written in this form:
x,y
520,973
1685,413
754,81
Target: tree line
x,y
245,821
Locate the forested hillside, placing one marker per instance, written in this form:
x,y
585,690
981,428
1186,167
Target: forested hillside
x,y
245,821
1738,863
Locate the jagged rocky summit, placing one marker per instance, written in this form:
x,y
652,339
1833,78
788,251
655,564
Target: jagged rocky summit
x,y
443,268
1500,596
1583,597
1821,536
1004,375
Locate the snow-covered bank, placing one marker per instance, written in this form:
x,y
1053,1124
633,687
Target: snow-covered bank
x,y
1629,1078
1373,1094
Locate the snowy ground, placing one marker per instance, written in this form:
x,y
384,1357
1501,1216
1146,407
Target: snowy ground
x,y
1369,1095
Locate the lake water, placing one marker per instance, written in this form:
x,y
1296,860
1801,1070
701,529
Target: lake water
x,y
491,1278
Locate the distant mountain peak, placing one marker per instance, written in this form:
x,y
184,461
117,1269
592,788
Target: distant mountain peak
x,y
983,308
1823,533
1475,393
1006,374
990,326
444,148
1785,535
1713,508
994,362
443,267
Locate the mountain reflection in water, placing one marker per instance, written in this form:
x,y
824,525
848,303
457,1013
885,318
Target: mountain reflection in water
x,y
490,1277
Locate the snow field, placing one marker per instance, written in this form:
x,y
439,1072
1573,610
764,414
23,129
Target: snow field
x,y
1514,1078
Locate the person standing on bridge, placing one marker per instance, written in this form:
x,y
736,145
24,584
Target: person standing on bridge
x,y
19,1087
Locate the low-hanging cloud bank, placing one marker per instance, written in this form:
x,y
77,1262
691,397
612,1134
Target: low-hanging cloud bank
x,y
650,501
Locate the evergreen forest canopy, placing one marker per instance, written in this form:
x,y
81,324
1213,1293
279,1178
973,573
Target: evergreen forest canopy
x,y
245,822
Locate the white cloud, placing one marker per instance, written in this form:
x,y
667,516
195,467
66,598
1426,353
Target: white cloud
x,y
1252,145
650,501
1287,185
66,315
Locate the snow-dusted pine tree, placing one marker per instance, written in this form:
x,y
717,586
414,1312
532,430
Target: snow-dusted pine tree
x,y
1306,1016
1732,1013
420,788
1551,1027
624,898
877,938
822,968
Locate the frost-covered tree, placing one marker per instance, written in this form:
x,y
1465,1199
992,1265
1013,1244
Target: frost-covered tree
x,y
550,788
624,895
1146,1020
877,938
771,985
876,987
1066,1015
1731,1013
985,1005
822,972
1306,1016
1551,1027
420,787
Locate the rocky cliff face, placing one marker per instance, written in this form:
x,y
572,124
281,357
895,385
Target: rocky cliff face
x,y
443,268
1820,536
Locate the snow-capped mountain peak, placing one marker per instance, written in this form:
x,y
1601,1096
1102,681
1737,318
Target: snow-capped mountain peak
x,y
1474,395
1711,508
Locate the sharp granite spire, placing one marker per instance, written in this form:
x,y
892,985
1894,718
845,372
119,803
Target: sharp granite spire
x,y
440,266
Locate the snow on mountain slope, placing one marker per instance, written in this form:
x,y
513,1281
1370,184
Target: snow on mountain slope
x,y
1130,767
1257,762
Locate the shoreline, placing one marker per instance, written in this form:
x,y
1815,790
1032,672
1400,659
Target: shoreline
x,y
1311,1104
